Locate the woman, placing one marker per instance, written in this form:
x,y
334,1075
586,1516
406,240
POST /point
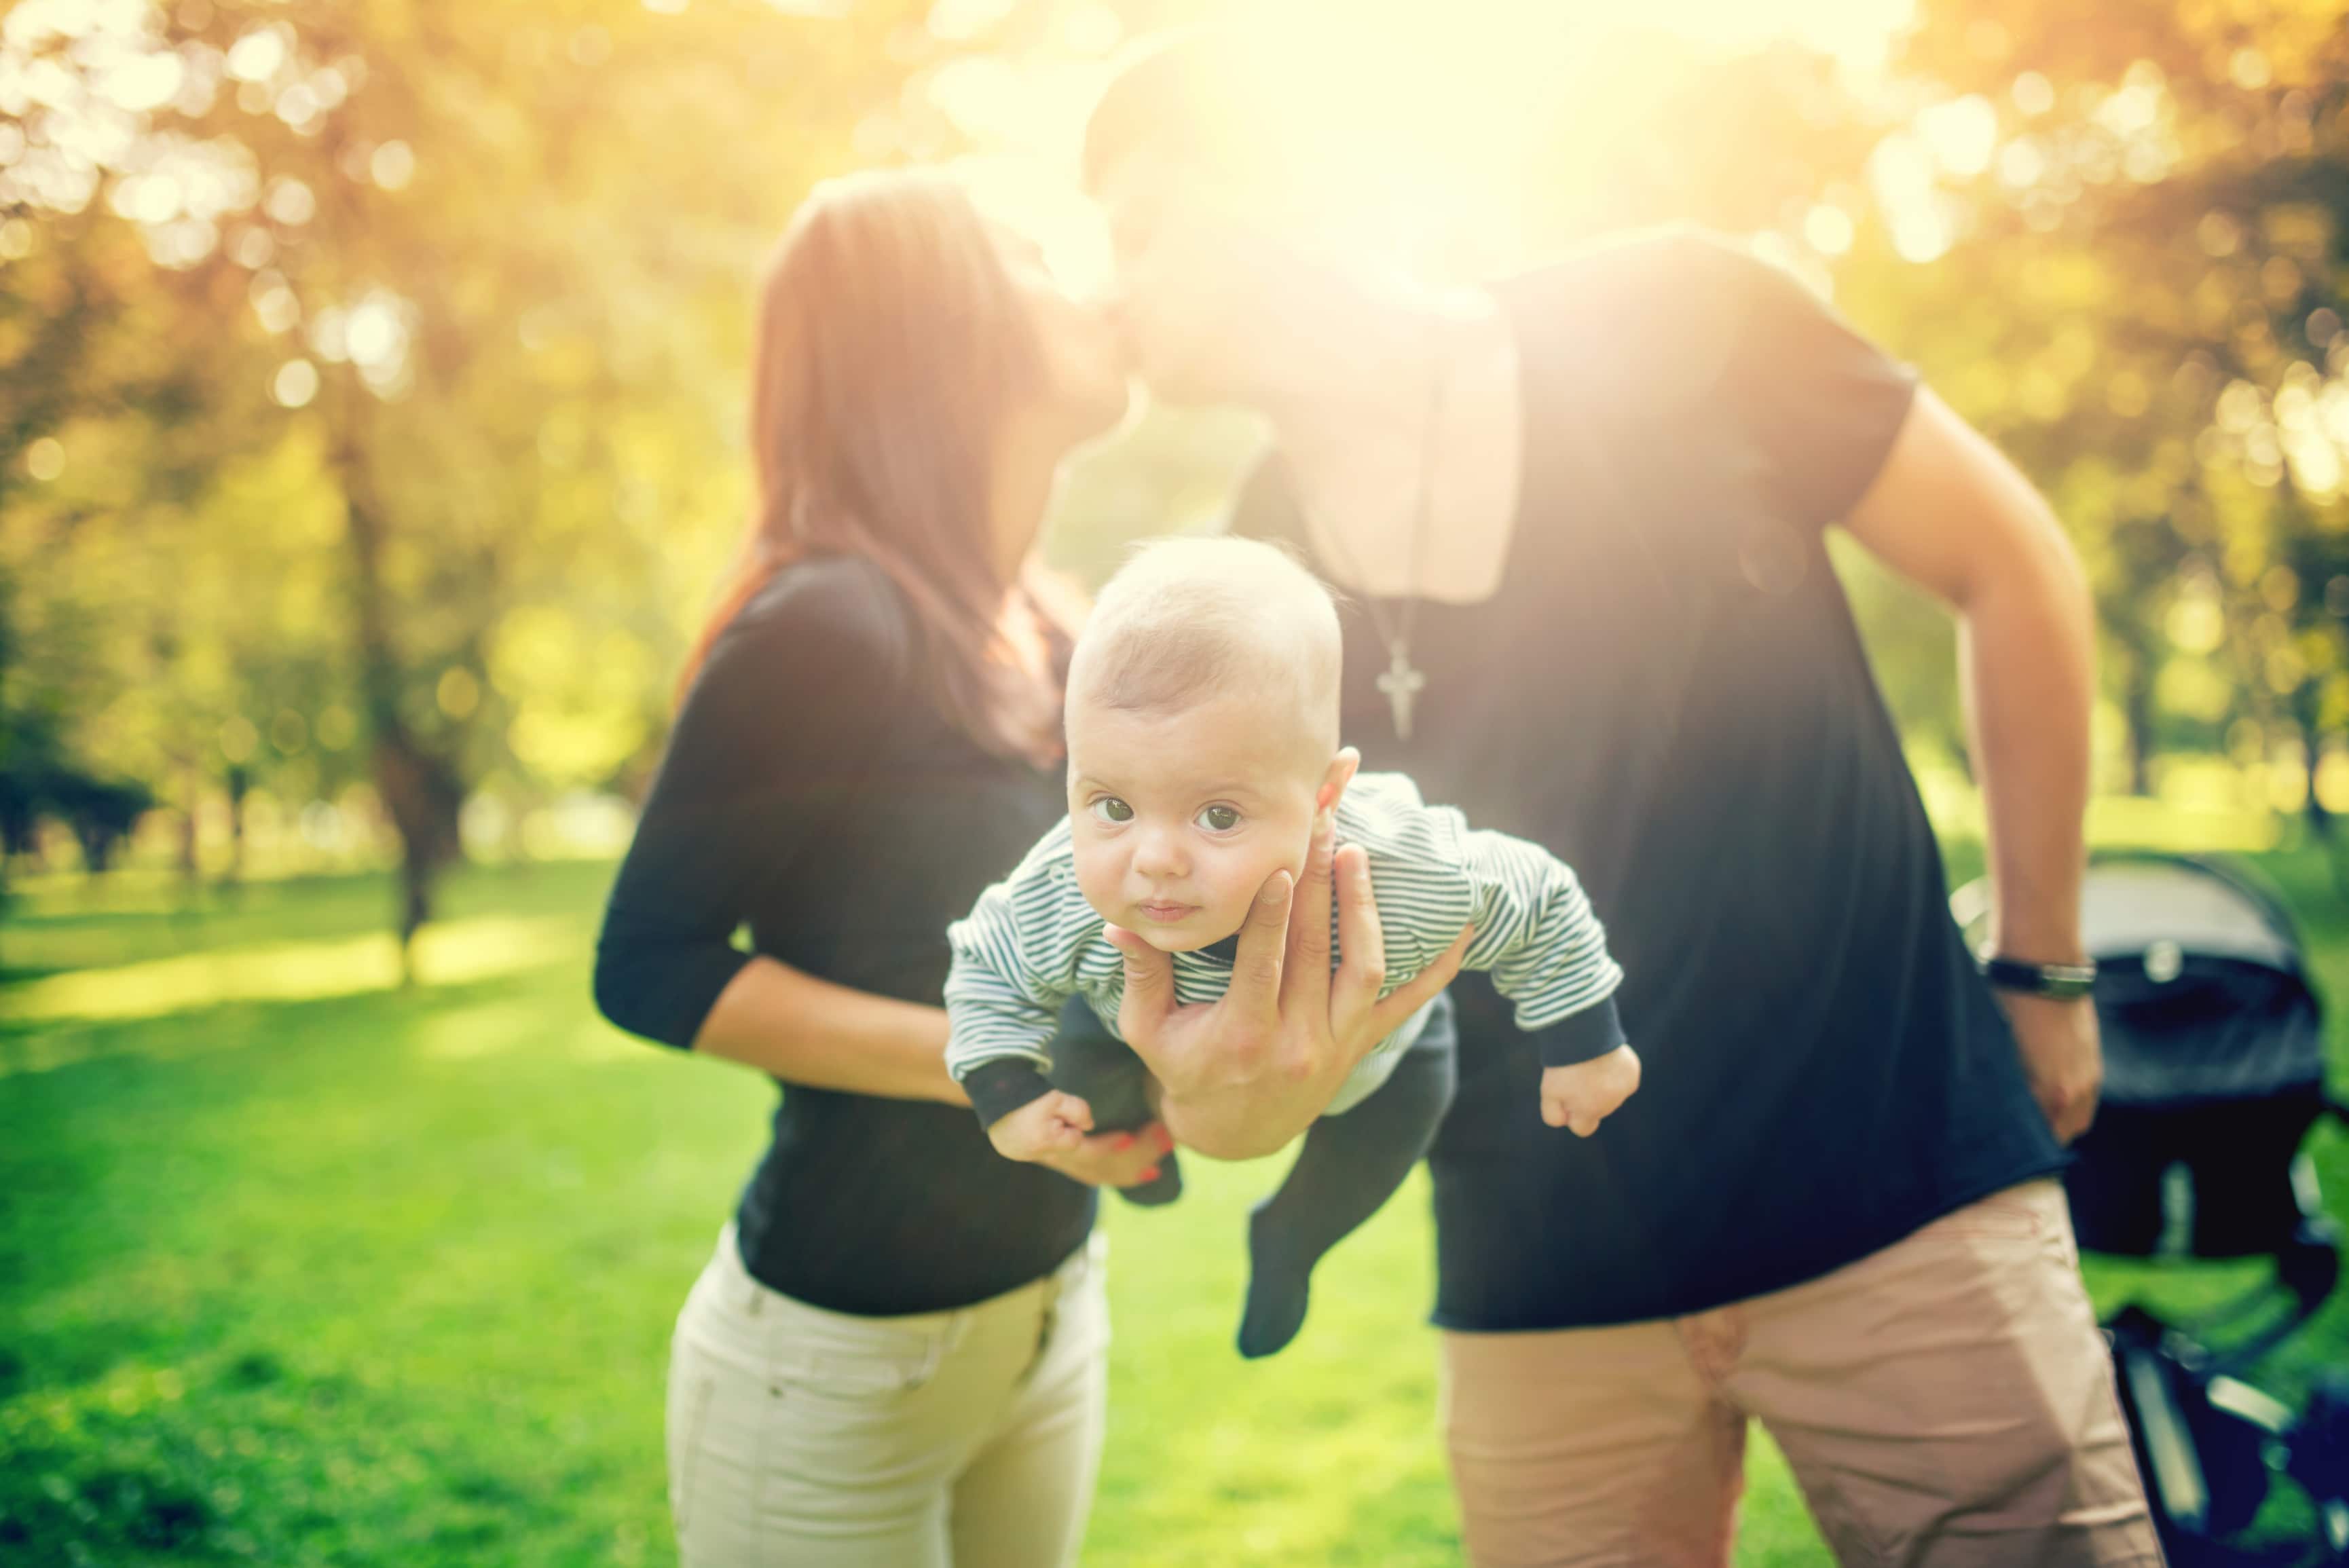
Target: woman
x,y
896,1355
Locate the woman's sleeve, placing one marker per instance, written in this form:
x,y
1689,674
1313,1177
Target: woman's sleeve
x,y
775,736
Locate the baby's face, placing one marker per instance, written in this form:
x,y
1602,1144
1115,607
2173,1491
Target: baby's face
x,y
1179,818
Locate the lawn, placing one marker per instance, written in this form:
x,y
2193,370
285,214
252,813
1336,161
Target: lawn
x,y
299,1268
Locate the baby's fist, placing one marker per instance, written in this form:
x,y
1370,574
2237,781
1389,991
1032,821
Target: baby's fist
x,y
1587,1093
1049,1124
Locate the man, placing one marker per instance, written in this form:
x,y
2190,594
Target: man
x,y
1582,515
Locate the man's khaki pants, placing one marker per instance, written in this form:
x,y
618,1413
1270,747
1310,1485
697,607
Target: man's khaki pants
x,y
948,1439
1945,1403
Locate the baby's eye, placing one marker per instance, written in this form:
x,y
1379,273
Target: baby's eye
x,y
1217,819
1109,809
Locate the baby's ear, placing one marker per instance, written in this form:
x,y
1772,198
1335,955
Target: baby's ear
x,y
1334,781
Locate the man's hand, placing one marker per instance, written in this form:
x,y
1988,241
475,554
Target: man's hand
x,y
1587,1093
1054,1123
1114,1159
2062,1057
1247,1072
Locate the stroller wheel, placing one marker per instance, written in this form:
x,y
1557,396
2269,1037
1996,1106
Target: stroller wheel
x,y
2320,1459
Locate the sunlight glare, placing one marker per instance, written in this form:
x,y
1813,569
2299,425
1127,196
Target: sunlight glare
x,y
1444,112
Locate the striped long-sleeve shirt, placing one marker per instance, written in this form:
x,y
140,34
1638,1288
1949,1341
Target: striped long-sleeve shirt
x,y
1033,942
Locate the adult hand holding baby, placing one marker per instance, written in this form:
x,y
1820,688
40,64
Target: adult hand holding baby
x,y
1247,1072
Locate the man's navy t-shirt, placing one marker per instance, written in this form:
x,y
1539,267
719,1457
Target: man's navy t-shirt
x,y
1669,691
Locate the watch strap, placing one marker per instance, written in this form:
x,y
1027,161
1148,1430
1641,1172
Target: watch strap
x,y
2064,982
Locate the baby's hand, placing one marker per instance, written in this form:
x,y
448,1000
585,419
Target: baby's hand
x,y
1050,1124
1586,1094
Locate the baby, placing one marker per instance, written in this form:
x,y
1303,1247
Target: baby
x,y
1203,743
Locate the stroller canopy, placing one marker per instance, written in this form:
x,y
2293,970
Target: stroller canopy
x,y
2201,992
2131,907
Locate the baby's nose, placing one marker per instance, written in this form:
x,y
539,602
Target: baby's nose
x,y
1158,855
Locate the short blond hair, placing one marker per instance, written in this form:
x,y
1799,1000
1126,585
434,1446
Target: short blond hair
x,y
1185,619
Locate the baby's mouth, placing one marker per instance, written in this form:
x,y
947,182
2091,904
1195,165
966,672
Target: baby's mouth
x,y
1166,914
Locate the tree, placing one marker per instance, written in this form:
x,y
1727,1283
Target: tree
x,y
2141,298
467,343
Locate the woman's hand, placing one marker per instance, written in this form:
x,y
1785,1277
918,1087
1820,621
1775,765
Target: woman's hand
x,y
1247,1072
1114,1159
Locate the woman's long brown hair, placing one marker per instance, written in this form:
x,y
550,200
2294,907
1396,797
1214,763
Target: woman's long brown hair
x,y
890,348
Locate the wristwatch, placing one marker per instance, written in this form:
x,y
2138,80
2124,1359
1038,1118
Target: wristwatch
x,y
2062,982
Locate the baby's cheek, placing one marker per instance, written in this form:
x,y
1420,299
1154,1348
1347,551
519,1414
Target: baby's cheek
x,y
1236,892
1098,881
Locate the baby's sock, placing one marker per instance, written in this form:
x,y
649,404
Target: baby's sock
x,y
1280,1279
1348,1166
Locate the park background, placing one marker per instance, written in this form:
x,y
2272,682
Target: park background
x,y
371,386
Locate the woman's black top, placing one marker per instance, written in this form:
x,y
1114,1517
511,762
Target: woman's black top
x,y
813,793
1669,691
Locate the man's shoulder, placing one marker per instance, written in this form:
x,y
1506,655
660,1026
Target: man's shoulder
x,y
1663,263
1655,315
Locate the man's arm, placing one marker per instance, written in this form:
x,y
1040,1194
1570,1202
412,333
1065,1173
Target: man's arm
x,y
1950,512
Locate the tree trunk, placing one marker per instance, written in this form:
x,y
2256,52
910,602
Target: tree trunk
x,y
239,782
2321,826
191,860
2136,714
420,789
2320,818
422,794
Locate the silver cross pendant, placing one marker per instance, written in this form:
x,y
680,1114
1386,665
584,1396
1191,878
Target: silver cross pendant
x,y
1402,684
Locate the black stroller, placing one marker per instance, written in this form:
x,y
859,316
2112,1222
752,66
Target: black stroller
x,y
2214,1074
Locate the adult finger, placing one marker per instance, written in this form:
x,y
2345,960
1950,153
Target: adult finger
x,y
1388,1015
1254,991
1306,985
1149,985
1106,1160
1134,1162
1361,940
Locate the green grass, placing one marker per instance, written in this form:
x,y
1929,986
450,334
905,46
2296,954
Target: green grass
x,y
298,1269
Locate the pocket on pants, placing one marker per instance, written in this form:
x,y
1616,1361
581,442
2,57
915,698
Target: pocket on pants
x,y
874,1379
834,1355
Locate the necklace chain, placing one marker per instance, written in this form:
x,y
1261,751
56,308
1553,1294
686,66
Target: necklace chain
x,y
1400,681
